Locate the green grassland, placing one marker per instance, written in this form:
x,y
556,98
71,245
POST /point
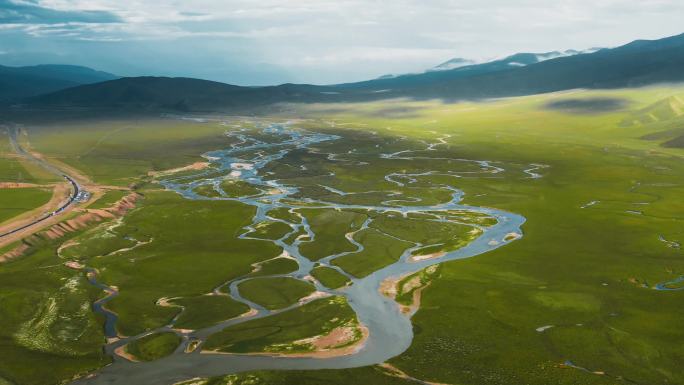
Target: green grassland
x,y
47,331
445,236
190,253
102,240
11,170
154,346
207,190
379,251
330,227
108,199
329,277
279,332
575,268
275,293
167,248
116,151
406,287
238,188
577,287
467,217
206,310
270,230
16,169
18,201
367,375
52,335
275,266
285,215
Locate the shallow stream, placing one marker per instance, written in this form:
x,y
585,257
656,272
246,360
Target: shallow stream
x,y
390,331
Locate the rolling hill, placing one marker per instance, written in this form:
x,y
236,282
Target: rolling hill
x,y
21,82
664,110
179,94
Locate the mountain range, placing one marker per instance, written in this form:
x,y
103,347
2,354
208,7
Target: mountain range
x,y
22,82
517,60
638,63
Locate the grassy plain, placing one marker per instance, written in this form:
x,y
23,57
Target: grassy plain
x,y
275,293
406,287
439,236
238,188
109,198
270,230
19,200
603,227
280,332
284,214
119,151
11,170
276,266
47,332
16,169
329,277
330,227
366,375
154,346
190,253
588,272
206,310
379,251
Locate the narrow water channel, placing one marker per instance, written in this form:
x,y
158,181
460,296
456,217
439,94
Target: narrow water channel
x,y
390,331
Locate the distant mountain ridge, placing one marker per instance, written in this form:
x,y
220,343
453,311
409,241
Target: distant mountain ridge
x,y
460,68
452,64
21,82
179,94
639,63
515,60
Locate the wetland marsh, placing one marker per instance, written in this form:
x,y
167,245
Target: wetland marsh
x,y
340,244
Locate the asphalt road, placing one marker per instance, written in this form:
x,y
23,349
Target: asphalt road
x,y
76,187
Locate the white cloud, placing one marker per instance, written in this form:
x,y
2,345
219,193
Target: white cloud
x,y
368,54
333,40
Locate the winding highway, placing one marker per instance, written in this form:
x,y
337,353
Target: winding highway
x,y
76,188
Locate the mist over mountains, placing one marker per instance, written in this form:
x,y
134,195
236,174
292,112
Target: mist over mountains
x,y
639,63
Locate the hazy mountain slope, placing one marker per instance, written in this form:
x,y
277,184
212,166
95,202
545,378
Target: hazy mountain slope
x,y
663,110
452,64
430,77
21,82
461,68
636,64
517,60
183,94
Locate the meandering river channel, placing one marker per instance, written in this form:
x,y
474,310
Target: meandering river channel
x,y
390,331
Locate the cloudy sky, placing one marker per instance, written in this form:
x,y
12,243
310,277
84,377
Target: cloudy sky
x,y
256,42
